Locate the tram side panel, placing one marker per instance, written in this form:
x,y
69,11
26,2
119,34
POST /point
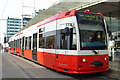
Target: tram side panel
x,y
46,49
27,50
66,60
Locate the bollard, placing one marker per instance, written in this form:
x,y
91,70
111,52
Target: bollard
x,y
113,54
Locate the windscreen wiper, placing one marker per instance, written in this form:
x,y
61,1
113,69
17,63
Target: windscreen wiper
x,y
94,51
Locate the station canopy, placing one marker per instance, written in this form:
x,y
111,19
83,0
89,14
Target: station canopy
x,y
66,5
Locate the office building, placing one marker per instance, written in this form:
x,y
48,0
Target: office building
x,y
14,25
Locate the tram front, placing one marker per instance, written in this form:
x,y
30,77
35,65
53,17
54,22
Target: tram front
x,y
93,53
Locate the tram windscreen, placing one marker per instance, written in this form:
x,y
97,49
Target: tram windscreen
x,y
92,31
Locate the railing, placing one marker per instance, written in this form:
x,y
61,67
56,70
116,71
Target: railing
x,y
115,53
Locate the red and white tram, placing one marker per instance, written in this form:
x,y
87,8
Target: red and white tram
x,y
70,42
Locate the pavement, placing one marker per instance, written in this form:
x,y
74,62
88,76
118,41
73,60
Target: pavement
x,y
19,68
114,65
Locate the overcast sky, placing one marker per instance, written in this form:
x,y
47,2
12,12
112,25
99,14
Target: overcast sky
x,y
14,9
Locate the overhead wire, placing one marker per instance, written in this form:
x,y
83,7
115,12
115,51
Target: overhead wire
x,y
4,8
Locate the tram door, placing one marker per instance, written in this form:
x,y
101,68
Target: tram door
x,y
62,44
23,45
34,51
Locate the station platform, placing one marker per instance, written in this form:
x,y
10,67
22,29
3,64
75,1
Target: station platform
x,y
114,65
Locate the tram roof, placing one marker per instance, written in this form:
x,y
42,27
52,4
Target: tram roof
x,y
58,7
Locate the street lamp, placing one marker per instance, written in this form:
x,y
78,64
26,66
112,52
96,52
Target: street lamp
x,y
4,41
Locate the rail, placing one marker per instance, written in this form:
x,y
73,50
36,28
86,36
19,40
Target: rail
x,y
115,53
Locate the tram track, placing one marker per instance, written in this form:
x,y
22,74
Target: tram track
x,y
21,68
95,76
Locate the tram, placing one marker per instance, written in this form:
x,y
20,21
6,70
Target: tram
x,y
71,42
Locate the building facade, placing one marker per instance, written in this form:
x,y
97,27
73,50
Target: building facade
x,y
25,21
14,25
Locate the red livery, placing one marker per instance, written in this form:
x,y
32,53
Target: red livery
x,y
70,42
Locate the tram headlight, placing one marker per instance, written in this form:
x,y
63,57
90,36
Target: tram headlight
x,y
84,60
105,58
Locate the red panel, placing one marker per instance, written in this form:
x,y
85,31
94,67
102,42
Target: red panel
x,y
63,14
15,51
9,50
12,50
49,60
20,52
40,57
72,63
86,67
69,62
28,54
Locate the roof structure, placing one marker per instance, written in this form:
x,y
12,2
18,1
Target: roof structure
x,y
59,7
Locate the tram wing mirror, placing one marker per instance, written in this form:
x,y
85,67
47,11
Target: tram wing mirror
x,y
66,31
109,33
115,37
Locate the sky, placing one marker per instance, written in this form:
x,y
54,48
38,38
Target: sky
x,y
14,9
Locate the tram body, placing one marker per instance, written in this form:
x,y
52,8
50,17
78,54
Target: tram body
x,y
70,42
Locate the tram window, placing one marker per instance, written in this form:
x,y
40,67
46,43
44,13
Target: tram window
x,y
34,41
41,30
23,42
30,43
41,41
26,43
11,44
73,39
17,44
50,42
20,43
69,41
63,41
14,43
